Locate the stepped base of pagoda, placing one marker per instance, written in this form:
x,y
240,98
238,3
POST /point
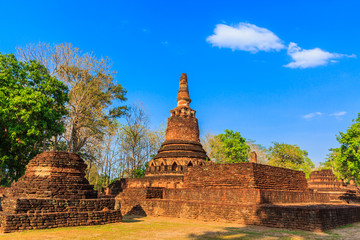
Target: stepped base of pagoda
x,y
28,221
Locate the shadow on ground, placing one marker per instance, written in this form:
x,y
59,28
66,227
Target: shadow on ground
x,y
255,232
132,218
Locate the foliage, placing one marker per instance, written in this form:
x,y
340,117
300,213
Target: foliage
x,y
140,172
32,103
234,147
346,159
92,91
228,147
289,156
332,163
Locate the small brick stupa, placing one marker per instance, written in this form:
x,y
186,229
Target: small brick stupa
x,y
324,181
182,147
54,193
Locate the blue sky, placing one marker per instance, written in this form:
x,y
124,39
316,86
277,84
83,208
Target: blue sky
x,y
285,71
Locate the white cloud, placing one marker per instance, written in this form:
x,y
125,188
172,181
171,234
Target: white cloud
x,y
338,114
245,37
307,58
312,115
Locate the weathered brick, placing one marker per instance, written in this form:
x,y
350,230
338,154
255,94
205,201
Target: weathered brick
x,y
54,193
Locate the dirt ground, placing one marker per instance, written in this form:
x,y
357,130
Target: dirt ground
x,y
174,228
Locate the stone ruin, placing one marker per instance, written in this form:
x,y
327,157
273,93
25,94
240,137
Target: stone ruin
x,y
182,147
324,181
54,193
180,182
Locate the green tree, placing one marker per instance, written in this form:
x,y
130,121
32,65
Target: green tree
x,y
32,104
93,91
233,148
346,158
290,156
140,171
332,163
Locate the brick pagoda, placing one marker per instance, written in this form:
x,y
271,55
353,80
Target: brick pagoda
x,y
182,147
179,182
54,193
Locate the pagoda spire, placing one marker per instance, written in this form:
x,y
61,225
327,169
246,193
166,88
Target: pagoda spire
x,y
183,98
182,147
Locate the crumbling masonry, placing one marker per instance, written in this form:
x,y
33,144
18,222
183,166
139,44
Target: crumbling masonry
x,y
54,193
181,182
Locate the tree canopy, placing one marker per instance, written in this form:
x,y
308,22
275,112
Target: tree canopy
x,y
228,147
32,104
289,156
92,91
345,160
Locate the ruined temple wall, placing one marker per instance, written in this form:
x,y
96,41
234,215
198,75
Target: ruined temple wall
x,y
16,222
246,183
239,193
269,177
245,175
325,179
129,200
220,175
225,205
165,181
224,195
53,175
235,195
54,193
311,217
28,205
298,197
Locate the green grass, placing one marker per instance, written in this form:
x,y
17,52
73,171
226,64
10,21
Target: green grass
x,y
347,226
173,228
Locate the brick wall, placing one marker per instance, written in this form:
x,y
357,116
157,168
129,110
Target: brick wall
x,y
236,195
269,177
225,195
54,193
247,193
154,192
53,175
26,205
10,223
245,175
311,218
155,181
220,175
179,126
129,200
325,179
